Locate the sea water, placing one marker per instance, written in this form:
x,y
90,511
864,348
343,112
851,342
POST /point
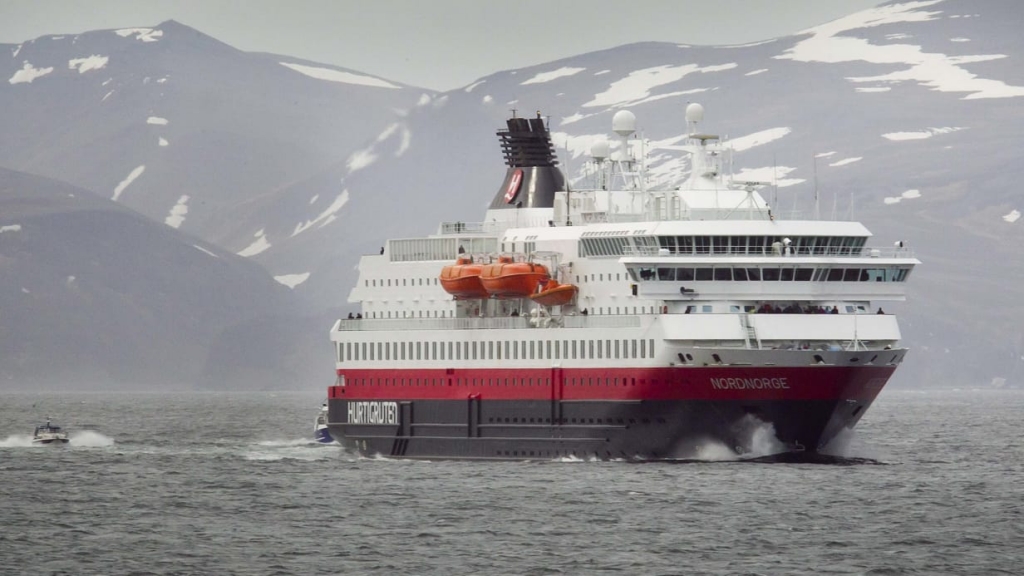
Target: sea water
x,y
932,482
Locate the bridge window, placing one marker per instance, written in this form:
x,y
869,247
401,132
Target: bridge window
x,y
723,273
704,274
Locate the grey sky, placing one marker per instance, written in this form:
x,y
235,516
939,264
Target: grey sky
x,y
439,44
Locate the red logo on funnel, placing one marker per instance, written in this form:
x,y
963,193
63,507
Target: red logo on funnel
x,y
513,185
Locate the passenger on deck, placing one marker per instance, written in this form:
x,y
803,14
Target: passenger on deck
x,y
359,316
880,311
350,317
462,250
834,310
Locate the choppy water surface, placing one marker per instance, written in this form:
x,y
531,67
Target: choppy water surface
x,y
233,484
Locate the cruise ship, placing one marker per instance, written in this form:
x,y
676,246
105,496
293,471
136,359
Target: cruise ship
x,y
616,321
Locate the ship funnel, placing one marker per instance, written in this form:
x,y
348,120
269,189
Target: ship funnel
x,y
533,175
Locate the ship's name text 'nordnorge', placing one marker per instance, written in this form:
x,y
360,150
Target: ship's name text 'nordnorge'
x,y
749,384
373,413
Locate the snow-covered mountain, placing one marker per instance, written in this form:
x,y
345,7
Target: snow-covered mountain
x,y
906,117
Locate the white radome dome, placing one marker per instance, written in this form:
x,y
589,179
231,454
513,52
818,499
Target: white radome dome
x,y
624,123
600,150
694,112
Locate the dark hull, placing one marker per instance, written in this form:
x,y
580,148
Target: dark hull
x,y
667,419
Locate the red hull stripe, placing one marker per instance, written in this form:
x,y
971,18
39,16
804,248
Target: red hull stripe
x,y
621,384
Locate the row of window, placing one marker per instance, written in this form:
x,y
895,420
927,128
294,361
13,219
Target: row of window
x,y
405,282
737,245
496,350
388,314
768,273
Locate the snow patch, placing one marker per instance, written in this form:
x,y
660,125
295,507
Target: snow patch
x,y
10,228
141,34
552,75
638,85
829,43
292,280
259,245
161,80
162,142
361,159
908,195
1012,217
825,154
405,142
602,72
16,51
488,99
959,39
846,161
873,89
338,76
201,249
423,100
758,138
325,217
28,73
473,85
922,134
178,212
756,72
105,96
127,181
93,62
156,120
314,199
774,174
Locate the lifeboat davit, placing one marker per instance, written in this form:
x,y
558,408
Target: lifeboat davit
x,y
462,280
508,279
552,293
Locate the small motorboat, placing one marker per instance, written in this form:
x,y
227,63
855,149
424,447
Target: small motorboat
x,y
320,431
49,434
553,293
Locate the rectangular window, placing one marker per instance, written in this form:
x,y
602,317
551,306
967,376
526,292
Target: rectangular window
x,y
770,274
348,350
590,346
573,349
548,346
804,274
643,348
474,356
558,351
650,343
786,275
418,351
403,350
533,352
625,348
433,350
723,273
583,349
633,348
704,274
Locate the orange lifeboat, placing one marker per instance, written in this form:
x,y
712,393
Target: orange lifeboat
x,y
462,280
508,279
554,294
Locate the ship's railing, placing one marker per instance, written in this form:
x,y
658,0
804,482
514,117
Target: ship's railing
x,y
833,252
455,228
517,322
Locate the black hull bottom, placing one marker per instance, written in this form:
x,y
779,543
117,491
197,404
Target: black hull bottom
x,y
602,430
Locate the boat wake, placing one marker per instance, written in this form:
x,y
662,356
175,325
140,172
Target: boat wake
x,y
304,449
83,439
90,439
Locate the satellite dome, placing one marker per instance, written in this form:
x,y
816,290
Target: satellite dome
x,y
694,112
624,123
600,150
